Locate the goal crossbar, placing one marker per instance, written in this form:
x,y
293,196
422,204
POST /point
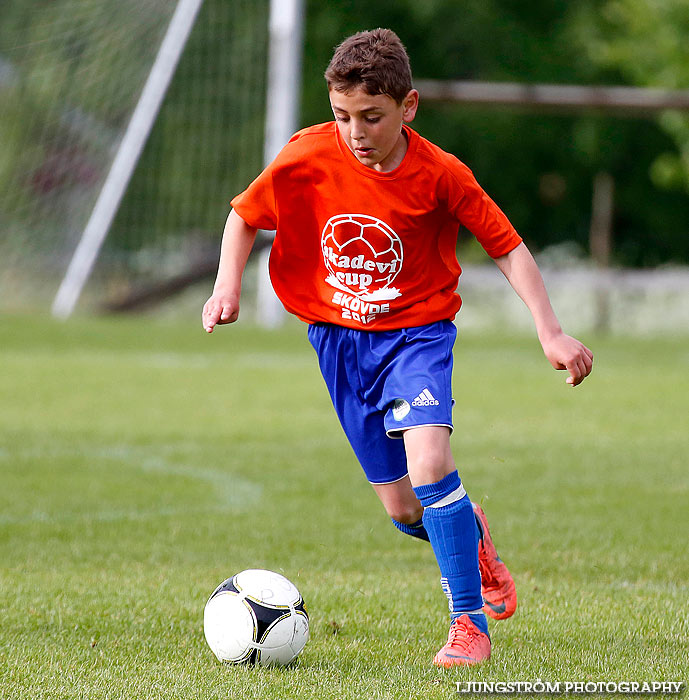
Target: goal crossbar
x,y
567,97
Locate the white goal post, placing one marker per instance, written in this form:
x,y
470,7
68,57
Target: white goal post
x,y
285,24
282,114
127,157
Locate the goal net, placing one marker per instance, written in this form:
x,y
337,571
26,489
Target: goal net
x,y
71,73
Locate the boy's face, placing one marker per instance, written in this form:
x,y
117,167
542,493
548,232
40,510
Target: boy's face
x,y
371,125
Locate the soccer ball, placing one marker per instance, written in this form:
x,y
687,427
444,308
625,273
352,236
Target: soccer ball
x,y
256,617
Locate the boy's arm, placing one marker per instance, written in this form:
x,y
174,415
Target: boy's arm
x,y
562,351
223,305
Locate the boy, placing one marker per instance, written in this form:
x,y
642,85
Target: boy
x,y
367,214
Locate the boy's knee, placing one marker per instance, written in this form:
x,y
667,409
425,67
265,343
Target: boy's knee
x,y
406,514
429,457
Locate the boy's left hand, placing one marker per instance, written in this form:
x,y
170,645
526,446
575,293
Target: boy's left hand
x,y
565,352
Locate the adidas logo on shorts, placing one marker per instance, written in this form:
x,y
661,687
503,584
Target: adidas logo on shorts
x,y
425,398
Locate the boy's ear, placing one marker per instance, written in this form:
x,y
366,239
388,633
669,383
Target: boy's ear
x,y
410,104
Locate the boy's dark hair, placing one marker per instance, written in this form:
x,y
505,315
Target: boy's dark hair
x,y
375,61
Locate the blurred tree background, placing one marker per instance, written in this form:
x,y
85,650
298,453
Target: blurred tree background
x,y
540,167
205,145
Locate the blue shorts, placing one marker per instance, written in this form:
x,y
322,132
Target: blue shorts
x,y
383,382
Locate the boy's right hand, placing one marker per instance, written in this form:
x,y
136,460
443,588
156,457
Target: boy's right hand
x,y
218,310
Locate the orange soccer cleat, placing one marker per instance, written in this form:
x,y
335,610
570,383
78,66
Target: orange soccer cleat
x,y
466,645
497,585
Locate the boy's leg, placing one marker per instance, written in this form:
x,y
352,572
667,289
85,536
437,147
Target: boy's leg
x,y
403,507
368,396
449,520
406,512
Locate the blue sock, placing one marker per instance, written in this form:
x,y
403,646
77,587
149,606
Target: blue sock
x,y
480,620
418,530
415,529
449,521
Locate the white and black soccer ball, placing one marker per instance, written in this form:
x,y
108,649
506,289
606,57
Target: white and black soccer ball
x,y
256,617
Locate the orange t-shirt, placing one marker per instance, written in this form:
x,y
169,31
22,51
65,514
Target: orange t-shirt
x,y
366,249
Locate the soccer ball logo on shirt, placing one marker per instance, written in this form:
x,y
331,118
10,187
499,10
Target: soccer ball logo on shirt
x,y
363,256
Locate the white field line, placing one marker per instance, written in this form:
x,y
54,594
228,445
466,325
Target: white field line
x,y
227,492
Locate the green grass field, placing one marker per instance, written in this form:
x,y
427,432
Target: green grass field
x,y
142,462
